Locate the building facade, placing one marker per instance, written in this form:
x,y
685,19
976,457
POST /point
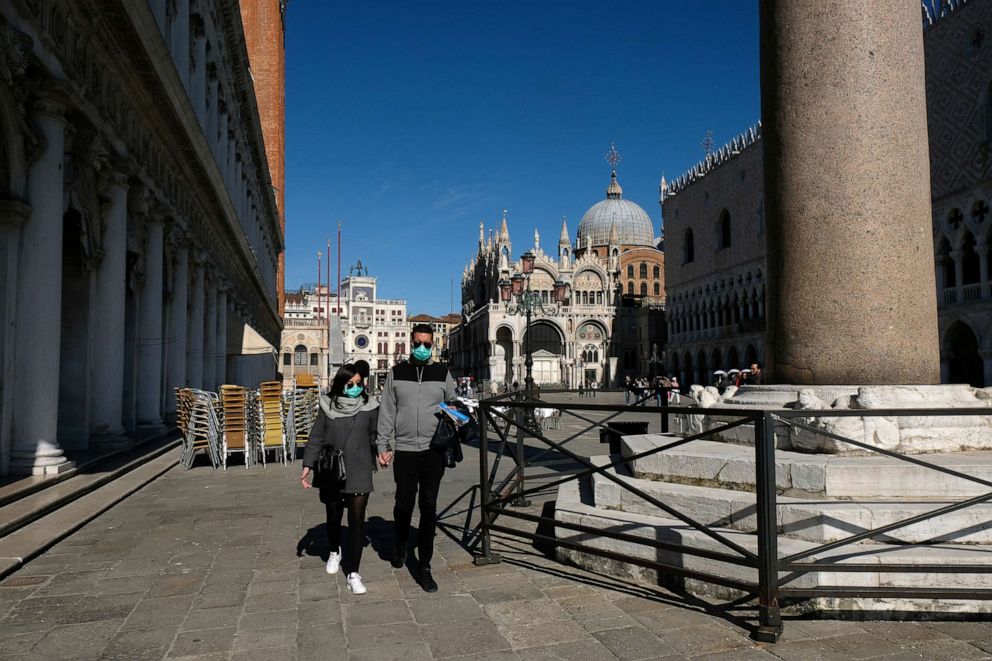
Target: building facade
x,y
139,233
573,341
309,323
714,218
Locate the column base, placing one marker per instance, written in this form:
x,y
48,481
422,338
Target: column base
x,y
110,440
148,427
31,466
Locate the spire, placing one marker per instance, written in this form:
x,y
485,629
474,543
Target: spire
x,y
482,232
614,239
504,233
662,189
563,238
537,240
613,191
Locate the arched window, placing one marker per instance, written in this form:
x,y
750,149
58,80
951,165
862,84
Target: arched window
x,y
657,271
313,359
630,287
688,247
300,355
644,289
630,270
723,230
643,271
657,288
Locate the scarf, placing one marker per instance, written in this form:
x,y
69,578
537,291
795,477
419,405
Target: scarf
x,y
345,407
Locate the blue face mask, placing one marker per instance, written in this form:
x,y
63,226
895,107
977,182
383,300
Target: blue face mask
x,y
353,391
421,353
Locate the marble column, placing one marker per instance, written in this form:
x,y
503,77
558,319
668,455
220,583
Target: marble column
x,y
150,327
194,351
958,257
847,189
221,360
983,269
180,45
178,320
39,327
13,216
987,368
108,318
210,337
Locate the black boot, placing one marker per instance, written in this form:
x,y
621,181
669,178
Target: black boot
x,y
427,581
399,556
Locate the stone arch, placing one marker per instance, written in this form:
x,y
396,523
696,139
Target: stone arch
x,y
750,355
716,359
723,233
687,374
732,358
702,372
688,247
960,348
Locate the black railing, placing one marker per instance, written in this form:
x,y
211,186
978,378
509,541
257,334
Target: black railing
x,y
509,417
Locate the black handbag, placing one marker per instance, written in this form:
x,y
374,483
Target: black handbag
x,y
331,471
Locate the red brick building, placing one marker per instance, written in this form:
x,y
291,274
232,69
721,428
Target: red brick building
x,y
265,36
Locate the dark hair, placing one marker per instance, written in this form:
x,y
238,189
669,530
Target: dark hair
x,y
422,328
345,374
363,368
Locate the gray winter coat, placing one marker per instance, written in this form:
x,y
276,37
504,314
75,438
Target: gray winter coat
x,y
358,443
409,402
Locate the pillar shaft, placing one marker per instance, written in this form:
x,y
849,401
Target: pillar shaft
x,y
221,360
108,320
36,398
847,193
178,320
150,342
194,352
180,40
210,338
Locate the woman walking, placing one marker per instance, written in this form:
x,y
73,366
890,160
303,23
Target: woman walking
x,y
346,422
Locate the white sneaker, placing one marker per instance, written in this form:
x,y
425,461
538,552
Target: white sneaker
x,y
333,562
355,584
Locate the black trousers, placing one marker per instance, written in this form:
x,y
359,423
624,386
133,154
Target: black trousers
x,y
413,472
351,551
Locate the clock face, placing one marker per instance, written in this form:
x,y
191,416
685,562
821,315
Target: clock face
x,y
361,341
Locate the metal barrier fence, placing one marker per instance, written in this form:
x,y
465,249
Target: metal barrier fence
x,y
513,414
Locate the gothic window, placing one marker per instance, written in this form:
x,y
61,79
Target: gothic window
x,y
300,355
643,271
688,249
599,298
954,218
630,287
630,270
979,211
644,289
657,271
723,230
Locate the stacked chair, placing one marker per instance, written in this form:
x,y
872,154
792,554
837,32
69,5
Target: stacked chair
x,y
235,438
270,406
199,424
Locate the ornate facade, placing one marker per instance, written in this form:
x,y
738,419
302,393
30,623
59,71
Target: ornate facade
x,y
714,215
574,341
139,234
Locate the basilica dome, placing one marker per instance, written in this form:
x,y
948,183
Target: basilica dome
x,y
633,225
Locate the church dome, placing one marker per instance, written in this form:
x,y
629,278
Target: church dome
x,y
632,224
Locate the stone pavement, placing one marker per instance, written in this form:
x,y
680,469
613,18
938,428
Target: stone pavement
x,y
212,565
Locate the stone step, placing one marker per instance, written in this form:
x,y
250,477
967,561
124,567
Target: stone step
x,y
574,505
812,520
730,466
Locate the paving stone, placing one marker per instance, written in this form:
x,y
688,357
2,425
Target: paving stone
x,y
141,645
219,600
125,585
319,612
412,652
543,633
20,643
192,643
155,613
269,619
384,636
630,643
268,638
106,607
270,602
176,584
963,630
212,618
449,609
474,637
283,654
376,612
524,611
76,641
512,592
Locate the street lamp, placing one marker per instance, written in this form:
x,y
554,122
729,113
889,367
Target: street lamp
x,y
527,303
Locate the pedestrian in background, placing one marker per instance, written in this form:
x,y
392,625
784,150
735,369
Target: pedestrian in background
x,y
347,422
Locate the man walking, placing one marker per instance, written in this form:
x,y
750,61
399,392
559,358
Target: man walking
x,y
410,398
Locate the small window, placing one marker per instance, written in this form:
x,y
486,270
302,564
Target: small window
x,y
630,270
643,270
313,359
630,287
287,359
300,355
723,230
644,289
688,247
657,289
657,271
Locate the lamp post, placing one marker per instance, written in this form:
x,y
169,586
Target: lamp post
x,y
527,303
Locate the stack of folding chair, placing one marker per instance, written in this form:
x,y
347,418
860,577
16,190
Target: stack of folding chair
x,y
234,426
271,411
202,428
253,422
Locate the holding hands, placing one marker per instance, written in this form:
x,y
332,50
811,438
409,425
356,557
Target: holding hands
x,y
304,476
385,458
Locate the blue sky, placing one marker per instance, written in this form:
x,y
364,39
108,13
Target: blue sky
x,y
411,121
